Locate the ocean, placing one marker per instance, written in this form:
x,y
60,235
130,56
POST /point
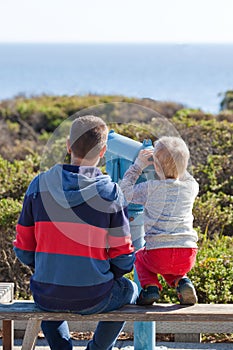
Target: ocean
x,y
196,75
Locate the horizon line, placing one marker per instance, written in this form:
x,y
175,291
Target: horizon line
x,y
120,42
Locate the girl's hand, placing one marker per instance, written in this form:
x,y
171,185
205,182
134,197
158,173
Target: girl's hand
x,y
144,158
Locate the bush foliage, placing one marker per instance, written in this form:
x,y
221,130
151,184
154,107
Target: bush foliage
x,y
27,124
15,176
10,267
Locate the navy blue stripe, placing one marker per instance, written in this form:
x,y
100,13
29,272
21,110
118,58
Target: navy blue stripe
x,y
70,292
58,305
83,213
26,215
54,297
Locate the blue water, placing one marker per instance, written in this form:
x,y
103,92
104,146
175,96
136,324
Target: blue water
x,y
194,75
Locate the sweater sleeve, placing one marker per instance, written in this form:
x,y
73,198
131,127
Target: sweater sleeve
x,y
134,193
192,183
121,250
25,242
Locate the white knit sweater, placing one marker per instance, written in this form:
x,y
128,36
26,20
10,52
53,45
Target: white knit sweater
x,y
168,204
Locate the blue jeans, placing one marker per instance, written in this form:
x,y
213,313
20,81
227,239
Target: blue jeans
x,y
123,292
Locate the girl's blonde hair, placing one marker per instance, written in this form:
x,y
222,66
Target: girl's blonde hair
x,y
171,156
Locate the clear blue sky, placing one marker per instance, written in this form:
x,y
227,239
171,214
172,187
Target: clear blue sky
x,y
179,21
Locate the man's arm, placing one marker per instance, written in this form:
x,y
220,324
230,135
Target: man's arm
x,y
25,242
121,250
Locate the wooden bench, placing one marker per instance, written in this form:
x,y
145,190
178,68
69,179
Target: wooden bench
x,y
6,296
221,314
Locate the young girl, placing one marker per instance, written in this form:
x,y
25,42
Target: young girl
x,y
171,241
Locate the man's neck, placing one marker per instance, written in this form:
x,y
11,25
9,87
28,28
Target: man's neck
x,y
83,162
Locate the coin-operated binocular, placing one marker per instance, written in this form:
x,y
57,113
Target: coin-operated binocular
x,y
121,153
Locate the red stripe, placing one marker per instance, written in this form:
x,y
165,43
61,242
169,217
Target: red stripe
x,y
114,241
25,238
71,239
119,246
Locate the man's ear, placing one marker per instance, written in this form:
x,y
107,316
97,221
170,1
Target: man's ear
x,y
68,145
103,150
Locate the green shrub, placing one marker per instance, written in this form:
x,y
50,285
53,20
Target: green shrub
x,y
47,112
216,175
227,101
27,123
16,176
205,138
192,114
136,131
214,214
227,114
9,213
10,267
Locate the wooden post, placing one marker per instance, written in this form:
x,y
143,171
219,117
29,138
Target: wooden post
x,y
8,334
31,334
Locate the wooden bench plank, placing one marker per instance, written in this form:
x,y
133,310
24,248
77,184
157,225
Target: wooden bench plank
x,y
195,317
159,312
161,327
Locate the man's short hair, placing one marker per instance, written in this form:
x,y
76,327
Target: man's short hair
x,y
88,135
171,155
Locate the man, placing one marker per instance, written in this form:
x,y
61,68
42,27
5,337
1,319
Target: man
x,y
73,230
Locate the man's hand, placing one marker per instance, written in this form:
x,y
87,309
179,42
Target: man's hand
x,y
144,158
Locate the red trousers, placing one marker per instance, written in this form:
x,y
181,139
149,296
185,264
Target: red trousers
x,y
171,263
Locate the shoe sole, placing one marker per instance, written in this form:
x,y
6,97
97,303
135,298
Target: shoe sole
x,y
147,301
187,296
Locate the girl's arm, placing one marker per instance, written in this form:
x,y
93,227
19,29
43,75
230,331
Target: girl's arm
x,y
136,194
